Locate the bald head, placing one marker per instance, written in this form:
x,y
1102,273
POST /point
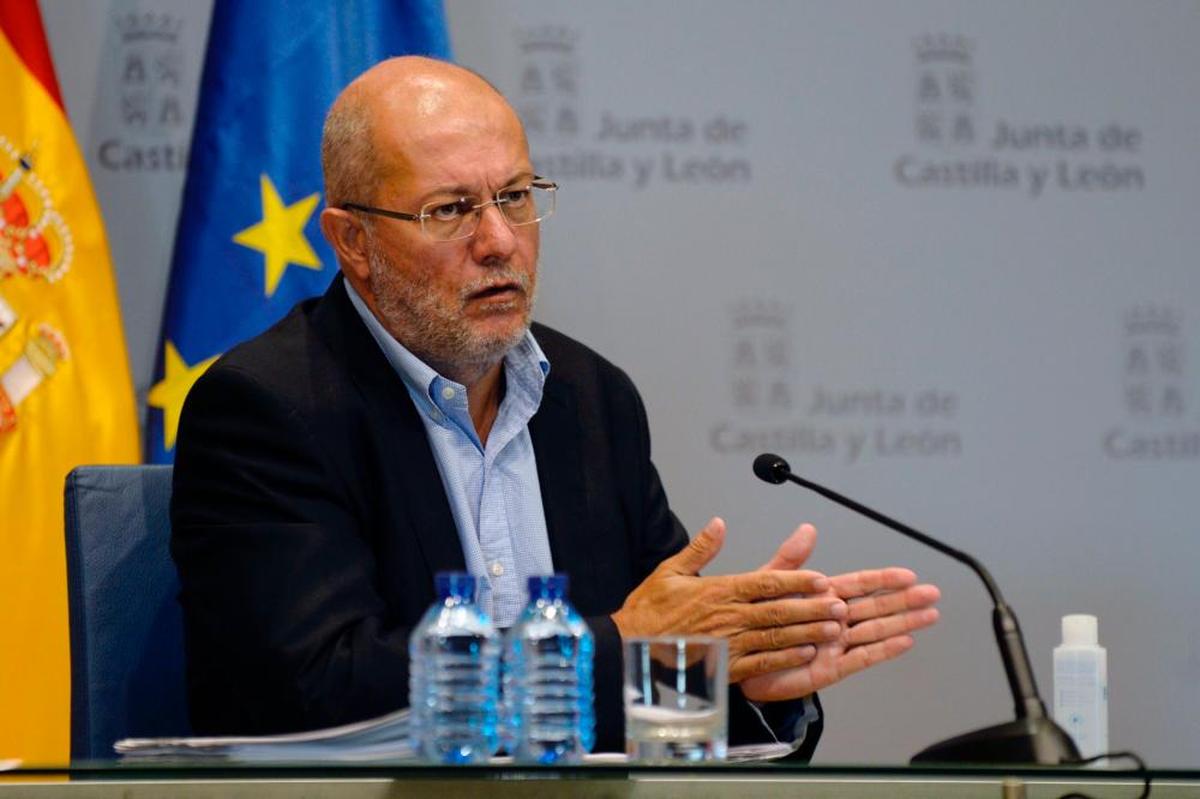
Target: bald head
x,y
382,123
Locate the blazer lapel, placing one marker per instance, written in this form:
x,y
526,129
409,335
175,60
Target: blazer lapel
x,y
557,447
413,475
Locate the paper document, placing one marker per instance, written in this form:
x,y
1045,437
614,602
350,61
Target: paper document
x,y
383,738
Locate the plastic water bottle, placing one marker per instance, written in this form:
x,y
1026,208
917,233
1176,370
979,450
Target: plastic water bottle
x,y
454,677
548,678
1081,685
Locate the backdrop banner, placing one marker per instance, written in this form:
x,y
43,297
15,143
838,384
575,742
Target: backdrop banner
x,y
939,255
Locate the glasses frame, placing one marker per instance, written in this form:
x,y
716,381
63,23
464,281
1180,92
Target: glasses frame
x,y
537,182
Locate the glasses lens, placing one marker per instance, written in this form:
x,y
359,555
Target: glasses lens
x,y
445,221
527,204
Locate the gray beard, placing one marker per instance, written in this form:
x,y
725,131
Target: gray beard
x,y
439,336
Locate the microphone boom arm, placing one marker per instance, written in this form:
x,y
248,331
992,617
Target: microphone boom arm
x,y
1033,736
904,529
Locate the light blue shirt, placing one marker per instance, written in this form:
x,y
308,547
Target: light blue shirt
x,y
493,489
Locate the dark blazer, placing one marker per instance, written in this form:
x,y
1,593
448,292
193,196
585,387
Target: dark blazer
x,y
309,518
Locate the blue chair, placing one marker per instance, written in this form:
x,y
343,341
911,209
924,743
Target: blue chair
x,y
127,666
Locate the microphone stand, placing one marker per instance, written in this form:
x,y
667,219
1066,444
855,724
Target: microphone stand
x,y
1033,737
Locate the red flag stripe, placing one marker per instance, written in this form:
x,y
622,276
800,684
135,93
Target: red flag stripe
x,y
21,23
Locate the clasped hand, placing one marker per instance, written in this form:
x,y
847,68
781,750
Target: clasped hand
x,y
790,631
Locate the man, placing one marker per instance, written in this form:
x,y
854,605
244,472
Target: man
x,y
411,421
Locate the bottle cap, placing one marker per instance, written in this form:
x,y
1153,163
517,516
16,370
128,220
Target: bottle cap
x,y
457,585
1079,629
548,586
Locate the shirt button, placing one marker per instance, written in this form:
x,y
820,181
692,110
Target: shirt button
x,y
497,568
447,393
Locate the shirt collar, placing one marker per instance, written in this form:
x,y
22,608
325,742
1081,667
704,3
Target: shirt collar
x,y
525,366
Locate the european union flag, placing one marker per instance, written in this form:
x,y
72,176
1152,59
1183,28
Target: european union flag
x,y
249,246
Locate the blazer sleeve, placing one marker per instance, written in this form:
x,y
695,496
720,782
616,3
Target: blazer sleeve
x,y
284,628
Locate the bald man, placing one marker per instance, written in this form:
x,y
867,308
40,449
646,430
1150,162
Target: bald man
x,y
413,420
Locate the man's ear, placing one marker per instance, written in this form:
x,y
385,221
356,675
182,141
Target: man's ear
x,y
345,233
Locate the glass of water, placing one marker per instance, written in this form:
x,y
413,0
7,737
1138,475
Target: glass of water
x,y
676,699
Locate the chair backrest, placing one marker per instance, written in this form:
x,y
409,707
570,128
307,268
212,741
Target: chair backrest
x,y
127,667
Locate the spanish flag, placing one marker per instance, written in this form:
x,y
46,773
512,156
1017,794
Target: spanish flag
x,y
66,397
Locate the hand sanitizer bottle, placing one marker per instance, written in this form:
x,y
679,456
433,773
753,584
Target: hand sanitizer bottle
x,y
1081,685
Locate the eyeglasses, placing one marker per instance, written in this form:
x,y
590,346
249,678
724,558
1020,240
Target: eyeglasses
x,y
459,219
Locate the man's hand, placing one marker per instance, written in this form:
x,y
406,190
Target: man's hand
x,y
771,617
886,605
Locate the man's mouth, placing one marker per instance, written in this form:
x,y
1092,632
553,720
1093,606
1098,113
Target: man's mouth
x,y
499,291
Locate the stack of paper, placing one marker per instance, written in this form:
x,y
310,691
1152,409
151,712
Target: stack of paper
x,y
383,738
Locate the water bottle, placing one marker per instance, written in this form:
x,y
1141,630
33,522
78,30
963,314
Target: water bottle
x,y
454,686
549,717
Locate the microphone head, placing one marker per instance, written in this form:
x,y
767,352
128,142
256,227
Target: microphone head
x,y
771,468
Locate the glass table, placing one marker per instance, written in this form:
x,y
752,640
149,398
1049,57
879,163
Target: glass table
x,y
192,780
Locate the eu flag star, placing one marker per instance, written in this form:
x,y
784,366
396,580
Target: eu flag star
x,y
170,392
280,234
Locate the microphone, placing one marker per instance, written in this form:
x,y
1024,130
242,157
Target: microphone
x,y
1033,737
771,468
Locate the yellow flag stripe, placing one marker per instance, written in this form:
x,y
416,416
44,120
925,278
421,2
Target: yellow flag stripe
x,y
77,407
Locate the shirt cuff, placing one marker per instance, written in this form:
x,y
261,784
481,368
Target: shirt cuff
x,y
787,722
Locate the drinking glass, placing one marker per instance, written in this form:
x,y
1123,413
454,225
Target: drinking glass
x,y
676,699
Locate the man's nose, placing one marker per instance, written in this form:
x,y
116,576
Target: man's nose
x,y
494,239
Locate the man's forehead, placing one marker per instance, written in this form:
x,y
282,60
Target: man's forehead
x,y
461,146
461,173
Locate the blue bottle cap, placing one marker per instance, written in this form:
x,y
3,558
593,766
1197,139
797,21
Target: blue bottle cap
x,y
548,586
458,585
